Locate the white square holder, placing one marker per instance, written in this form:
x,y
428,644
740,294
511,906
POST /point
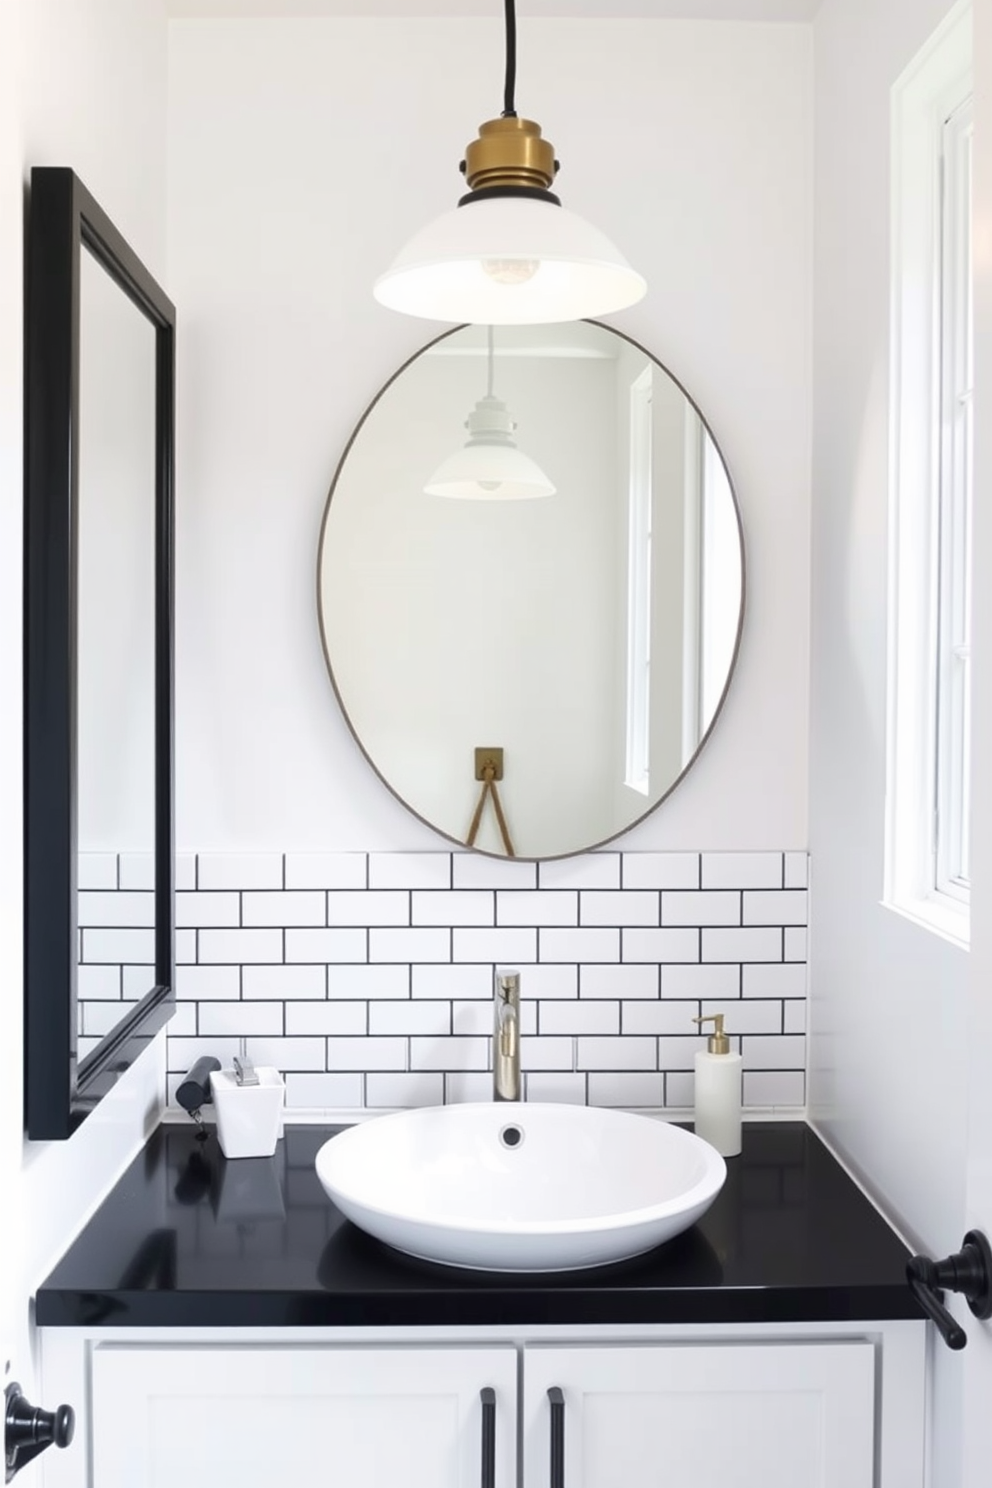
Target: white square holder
x,y
249,1117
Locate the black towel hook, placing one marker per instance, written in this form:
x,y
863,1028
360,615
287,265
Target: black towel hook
x,y
968,1271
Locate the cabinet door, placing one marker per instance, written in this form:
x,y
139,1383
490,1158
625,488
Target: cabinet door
x,y
776,1415
301,1417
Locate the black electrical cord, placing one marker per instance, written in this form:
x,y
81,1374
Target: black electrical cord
x,y
509,111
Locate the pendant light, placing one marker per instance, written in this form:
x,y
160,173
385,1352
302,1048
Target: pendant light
x,y
489,467
510,253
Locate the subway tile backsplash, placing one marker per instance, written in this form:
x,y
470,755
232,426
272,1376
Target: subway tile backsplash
x,y
366,978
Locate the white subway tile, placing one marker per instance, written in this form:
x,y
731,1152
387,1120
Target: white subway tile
x,y
580,1017
232,946
345,870
680,1090
85,1046
619,981
287,1053
431,870
537,907
660,870
701,981
285,907
323,945
751,1016
771,980
464,1085
239,871
475,871
97,871
420,944
369,982
323,1092
660,945
599,870
239,1019
452,981
476,1017
751,944
116,909
185,871
217,909
196,982
136,981
775,907
659,1017
742,870
543,1053
326,1018
617,1053
700,907
500,947
186,947
288,982
119,945
183,1020
368,907
795,943
553,979
98,982
98,1018
629,1091
136,870
449,1053
413,1088
453,907
796,874
366,1053
563,1089
771,1088
794,1016
784,1052
182,1053
619,907
579,945
410,1017
675,1053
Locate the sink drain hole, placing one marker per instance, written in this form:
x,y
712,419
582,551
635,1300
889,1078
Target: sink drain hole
x,y
511,1136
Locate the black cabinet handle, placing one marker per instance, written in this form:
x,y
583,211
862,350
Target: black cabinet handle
x,y
968,1271
488,1397
557,1400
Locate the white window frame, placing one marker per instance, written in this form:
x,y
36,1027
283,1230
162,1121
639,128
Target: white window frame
x,y
639,515
928,93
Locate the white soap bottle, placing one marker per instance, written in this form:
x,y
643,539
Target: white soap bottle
x,y
718,1091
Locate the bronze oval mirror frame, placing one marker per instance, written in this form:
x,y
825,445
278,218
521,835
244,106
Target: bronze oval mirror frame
x,y
340,579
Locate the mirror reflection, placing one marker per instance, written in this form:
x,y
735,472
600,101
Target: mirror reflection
x,y
115,652
531,676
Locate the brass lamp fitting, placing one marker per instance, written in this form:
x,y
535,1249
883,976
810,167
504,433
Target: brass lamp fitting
x,y
510,152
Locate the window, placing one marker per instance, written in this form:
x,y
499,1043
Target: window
x,y
930,515
639,586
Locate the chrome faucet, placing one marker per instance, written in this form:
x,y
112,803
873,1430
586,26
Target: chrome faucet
x,y
506,1037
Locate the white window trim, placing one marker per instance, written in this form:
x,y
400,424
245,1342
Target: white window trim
x,y
935,83
637,775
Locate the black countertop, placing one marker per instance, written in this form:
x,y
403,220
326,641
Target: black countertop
x,y
187,1238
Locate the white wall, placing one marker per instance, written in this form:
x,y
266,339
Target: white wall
x,y
889,1046
82,83
302,154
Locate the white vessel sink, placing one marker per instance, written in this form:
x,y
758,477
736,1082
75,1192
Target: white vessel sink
x,y
520,1187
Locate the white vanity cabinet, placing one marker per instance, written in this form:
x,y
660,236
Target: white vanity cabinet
x,y
817,1405
746,1415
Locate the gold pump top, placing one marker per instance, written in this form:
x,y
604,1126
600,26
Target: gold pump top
x,y
717,1042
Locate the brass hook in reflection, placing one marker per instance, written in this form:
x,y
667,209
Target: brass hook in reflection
x,y
489,769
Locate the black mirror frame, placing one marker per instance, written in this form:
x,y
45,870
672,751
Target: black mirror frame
x,y
60,1090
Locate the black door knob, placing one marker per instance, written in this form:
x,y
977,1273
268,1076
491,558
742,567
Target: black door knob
x,y
28,1429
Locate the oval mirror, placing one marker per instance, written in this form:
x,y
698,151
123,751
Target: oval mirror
x,y
531,585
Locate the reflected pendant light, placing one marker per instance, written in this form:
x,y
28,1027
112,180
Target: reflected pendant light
x,y
510,253
489,467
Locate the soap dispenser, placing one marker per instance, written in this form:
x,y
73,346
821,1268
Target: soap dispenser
x,y
718,1091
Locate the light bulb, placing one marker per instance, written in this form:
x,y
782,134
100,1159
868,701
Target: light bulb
x,y
510,270
490,485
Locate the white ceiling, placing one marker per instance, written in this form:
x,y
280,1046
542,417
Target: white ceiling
x,y
699,10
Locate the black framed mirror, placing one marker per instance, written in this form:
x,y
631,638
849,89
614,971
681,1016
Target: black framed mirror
x,y
98,653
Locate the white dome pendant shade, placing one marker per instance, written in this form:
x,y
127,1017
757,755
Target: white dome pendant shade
x,y
489,467
510,253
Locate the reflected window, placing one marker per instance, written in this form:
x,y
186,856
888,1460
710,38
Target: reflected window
x,y
639,503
